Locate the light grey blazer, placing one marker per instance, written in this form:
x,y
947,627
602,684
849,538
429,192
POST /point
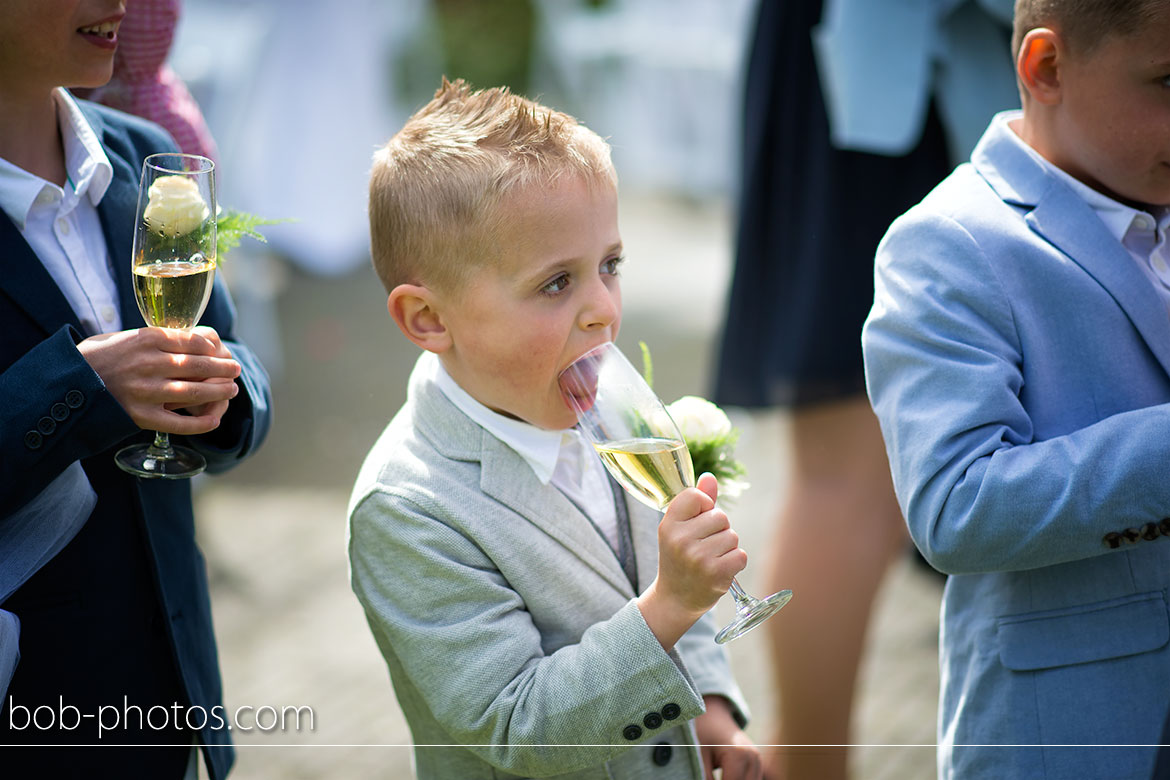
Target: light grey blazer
x,y
505,619
1019,362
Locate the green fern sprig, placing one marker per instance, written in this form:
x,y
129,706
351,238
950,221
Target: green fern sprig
x,y
234,226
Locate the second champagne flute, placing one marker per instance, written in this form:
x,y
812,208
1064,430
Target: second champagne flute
x,y
643,449
173,264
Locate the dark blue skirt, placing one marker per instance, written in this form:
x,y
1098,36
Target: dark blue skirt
x,y
810,217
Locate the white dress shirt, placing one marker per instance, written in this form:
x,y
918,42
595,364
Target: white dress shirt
x,y
560,458
61,224
1141,232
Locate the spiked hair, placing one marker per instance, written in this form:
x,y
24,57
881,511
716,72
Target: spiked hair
x,y
436,186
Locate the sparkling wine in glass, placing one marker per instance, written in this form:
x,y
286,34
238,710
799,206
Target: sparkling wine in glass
x,y
643,449
173,264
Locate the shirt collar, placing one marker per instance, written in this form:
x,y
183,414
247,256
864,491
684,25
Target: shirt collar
x,y
538,447
86,165
1118,217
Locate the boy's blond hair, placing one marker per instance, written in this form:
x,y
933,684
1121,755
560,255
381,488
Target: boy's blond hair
x,y
1082,23
435,187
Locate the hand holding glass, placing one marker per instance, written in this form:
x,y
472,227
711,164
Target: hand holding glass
x,y
644,451
173,264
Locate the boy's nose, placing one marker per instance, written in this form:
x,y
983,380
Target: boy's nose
x,y
602,309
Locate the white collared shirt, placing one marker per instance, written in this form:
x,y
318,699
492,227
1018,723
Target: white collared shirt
x,y
560,458
1141,232
62,225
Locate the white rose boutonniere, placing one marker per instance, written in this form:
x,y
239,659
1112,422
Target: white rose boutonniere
x,y
174,206
709,435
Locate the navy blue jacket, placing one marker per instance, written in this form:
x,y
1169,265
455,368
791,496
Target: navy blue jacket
x,y
121,618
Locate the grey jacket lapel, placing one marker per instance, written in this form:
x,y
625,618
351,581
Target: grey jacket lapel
x,y
507,478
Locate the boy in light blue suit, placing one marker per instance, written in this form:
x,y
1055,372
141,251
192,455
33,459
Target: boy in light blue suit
x,y
535,623
1018,357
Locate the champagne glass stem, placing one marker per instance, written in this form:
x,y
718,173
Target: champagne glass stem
x,y
161,448
739,594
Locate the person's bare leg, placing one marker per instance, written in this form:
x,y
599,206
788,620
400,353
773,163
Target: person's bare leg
x,y
839,529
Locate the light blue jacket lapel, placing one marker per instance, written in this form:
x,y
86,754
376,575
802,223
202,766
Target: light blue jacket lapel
x,y
1062,218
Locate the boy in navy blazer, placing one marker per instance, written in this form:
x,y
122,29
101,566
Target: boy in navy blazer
x,y
118,624
1018,357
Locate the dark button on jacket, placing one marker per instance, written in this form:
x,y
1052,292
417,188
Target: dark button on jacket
x,y
661,754
632,732
652,720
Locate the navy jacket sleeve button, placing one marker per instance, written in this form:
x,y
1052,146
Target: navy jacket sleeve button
x,y
46,425
74,399
59,412
33,440
631,732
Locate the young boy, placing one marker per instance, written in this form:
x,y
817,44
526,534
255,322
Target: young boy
x,y
1018,357
509,584
115,630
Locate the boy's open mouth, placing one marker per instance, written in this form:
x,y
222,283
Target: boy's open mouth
x,y
579,385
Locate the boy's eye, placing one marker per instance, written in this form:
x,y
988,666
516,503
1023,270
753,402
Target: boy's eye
x,y
556,285
612,265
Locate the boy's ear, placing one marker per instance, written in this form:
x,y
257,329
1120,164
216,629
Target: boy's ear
x,y
414,309
1038,65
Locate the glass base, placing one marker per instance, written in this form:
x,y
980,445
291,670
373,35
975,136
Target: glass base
x,y
750,614
151,462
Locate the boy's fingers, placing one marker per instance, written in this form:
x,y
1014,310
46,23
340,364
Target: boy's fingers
x,y
182,424
709,485
689,504
205,367
185,393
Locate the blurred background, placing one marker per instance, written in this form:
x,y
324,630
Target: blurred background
x,y
298,95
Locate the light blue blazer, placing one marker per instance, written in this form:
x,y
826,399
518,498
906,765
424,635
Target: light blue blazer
x,y
881,61
1019,362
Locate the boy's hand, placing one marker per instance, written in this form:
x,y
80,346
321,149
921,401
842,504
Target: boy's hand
x,y
724,745
153,371
698,555
213,409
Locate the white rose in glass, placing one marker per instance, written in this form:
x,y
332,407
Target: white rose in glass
x,y
175,206
698,419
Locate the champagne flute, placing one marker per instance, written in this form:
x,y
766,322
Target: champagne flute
x,y
173,264
643,449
